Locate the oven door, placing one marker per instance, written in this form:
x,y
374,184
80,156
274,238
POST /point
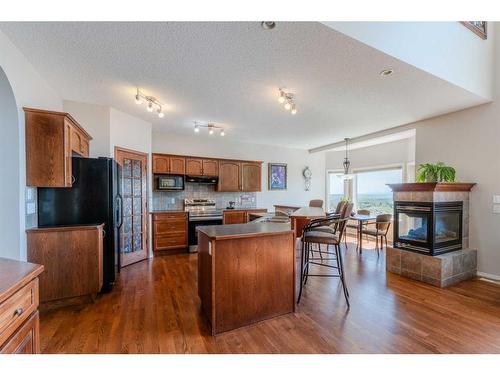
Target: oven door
x,y
195,222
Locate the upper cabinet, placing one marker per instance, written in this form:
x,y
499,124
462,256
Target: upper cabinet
x,y
229,175
202,167
52,138
194,167
234,175
169,164
251,173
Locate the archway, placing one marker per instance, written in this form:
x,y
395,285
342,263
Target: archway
x,y
9,172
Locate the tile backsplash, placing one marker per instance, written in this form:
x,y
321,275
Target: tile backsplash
x,y
172,200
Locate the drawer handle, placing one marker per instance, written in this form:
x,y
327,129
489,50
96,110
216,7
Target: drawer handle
x,y
18,311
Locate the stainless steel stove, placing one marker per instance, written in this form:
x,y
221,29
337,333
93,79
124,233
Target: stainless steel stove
x,y
202,209
201,212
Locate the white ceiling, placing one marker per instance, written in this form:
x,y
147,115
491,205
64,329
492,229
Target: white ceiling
x,y
229,73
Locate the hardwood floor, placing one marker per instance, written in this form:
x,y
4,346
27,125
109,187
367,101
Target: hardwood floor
x,y
155,309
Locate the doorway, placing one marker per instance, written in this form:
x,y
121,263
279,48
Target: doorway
x,y
133,183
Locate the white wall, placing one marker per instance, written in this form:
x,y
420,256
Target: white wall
x,y
95,119
30,90
204,145
446,49
399,152
9,172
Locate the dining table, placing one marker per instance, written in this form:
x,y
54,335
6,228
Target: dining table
x,y
362,220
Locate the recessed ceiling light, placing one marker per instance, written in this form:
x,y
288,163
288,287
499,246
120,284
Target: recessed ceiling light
x,y
386,72
268,25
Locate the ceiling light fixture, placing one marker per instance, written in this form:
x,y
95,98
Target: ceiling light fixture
x,y
268,25
347,163
211,128
287,99
386,72
151,102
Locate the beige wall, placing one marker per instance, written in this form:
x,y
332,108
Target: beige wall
x,y
30,90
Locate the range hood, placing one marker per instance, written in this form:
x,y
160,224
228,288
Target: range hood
x,y
202,180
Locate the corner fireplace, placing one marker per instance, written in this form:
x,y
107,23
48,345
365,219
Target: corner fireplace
x,y
430,228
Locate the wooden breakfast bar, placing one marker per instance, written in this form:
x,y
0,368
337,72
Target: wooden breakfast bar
x,y
246,273
301,217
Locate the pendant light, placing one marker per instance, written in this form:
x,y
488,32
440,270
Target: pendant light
x,y
347,163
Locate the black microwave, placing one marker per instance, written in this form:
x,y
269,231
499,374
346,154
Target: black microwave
x,y
169,182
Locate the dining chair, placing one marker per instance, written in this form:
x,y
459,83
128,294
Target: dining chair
x,y
355,226
311,236
316,203
382,225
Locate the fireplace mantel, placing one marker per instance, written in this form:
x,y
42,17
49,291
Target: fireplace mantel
x,y
432,186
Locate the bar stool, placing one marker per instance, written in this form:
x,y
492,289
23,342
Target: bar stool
x,y
310,236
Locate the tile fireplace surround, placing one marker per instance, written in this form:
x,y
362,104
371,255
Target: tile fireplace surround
x,y
445,269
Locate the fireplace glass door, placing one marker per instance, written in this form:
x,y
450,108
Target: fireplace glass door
x,y
447,226
413,227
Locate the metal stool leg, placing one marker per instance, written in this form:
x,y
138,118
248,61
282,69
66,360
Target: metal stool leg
x,y
341,272
302,261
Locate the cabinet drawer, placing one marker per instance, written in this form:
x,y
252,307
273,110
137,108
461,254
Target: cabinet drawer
x,y
170,216
25,340
15,310
169,242
166,227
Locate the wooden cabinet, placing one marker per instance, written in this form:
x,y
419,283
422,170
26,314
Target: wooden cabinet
x,y
19,324
234,175
72,257
202,167
251,176
210,167
170,230
52,138
229,175
239,216
194,167
239,176
167,164
234,217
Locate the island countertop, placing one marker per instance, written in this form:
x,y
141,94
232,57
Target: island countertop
x,y
221,232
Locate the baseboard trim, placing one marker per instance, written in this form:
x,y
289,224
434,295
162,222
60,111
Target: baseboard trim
x,y
489,276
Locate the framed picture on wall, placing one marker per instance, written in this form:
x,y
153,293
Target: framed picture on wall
x,y
276,176
477,27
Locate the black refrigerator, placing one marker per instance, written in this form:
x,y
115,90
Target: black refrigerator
x,y
94,198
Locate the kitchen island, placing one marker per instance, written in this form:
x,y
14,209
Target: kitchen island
x,y
246,273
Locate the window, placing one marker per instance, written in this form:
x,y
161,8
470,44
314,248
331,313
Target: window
x,y
336,190
372,193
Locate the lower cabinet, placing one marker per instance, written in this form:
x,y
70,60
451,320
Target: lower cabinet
x,y
170,231
26,339
239,216
19,300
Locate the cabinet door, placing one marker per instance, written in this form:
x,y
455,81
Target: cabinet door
x,y
210,167
177,165
229,176
68,169
26,339
194,167
236,217
161,164
251,176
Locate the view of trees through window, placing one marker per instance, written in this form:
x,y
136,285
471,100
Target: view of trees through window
x,y
372,192
369,189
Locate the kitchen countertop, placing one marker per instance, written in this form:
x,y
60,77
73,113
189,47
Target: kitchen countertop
x,y
66,227
15,274
309,212
165,211
221,232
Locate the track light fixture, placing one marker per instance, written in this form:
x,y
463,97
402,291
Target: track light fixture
x,y
211,128
287,99
151,102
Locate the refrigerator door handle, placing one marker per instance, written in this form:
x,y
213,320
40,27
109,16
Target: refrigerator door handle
x,y
119,220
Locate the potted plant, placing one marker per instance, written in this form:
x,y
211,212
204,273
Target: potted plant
x,y
439,172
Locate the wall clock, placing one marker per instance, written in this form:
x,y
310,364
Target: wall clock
x,y
307,177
